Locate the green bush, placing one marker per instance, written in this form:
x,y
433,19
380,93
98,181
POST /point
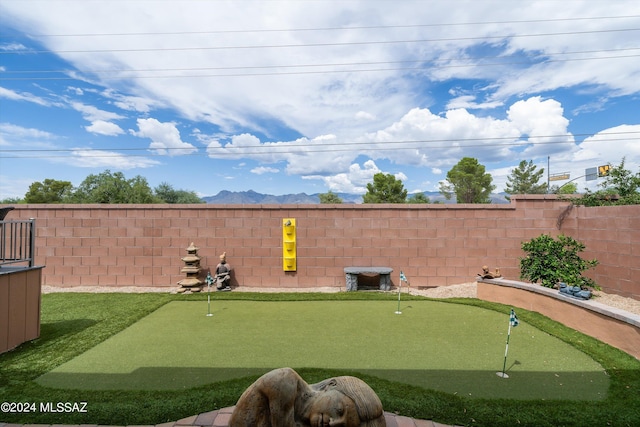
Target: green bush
x,y
552,260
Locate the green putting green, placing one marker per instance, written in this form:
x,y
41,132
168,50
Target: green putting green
x,y
437,345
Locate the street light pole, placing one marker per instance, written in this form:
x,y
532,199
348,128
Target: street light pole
x,y
548,172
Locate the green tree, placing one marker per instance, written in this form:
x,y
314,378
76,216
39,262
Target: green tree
x,y
469,181
385,189
108,187
165,193
568,188
11,201
48,191
550,261
329,198
619,187
624,182
418,198
525,180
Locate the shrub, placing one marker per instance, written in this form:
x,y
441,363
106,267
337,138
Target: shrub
x,y
552,260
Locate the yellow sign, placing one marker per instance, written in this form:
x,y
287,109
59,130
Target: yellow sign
x,y
559,177
603,170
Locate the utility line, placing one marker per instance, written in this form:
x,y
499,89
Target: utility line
x,y
306,45
267,149
292,73
338,64
368,27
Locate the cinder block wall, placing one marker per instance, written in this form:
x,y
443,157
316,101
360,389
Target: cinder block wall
x,y
612,236
435,245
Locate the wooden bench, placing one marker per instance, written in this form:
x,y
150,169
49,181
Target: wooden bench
x,y
351,279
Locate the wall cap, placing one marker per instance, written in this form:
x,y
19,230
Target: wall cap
x,y
592,305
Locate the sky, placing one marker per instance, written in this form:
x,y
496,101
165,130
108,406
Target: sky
x,y
292,96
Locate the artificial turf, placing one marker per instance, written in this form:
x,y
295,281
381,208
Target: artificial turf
x,y
75,323
433,345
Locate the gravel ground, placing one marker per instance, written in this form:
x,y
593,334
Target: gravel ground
x,y
464,290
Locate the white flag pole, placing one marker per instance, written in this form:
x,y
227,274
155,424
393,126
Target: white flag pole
x,y
399,288
403,278
513,321
209,281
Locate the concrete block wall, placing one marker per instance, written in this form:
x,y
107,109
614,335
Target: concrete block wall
x,y
435,245
612,236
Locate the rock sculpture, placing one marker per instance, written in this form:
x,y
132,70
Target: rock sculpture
x,y
192,282
223,274
486,274
281,398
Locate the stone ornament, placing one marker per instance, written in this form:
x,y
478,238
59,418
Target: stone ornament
x,y
486,274
281,398
223,274
192,282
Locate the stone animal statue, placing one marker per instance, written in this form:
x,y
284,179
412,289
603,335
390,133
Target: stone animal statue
x,y
281,398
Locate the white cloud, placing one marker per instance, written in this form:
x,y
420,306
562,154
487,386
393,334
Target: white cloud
x,y
92,113
419,138
76,90
11,186
260,170
232,78
165,137
363,115
351,92
101,120
86,158
422,138
354,181
138,104
400,176
608,146
104,128
14,135
469,102
23,96
12,47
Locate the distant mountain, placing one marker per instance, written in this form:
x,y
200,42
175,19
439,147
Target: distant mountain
x,y
253,198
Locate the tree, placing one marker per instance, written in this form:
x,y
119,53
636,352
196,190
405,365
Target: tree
x,y
620,187
418,198
622,181
469,182
48,191
551,261
113,188
385,189
165,193
329,198
568,188
525,180
11,201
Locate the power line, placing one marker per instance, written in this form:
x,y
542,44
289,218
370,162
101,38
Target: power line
x,y
368,27
339,64
267,149
307,45
426,66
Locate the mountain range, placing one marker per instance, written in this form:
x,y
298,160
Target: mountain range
x,y
253,198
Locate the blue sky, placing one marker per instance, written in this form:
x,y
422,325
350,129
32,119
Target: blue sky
x,y
288,96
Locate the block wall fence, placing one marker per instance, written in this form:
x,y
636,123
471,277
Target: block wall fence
x,y
435,245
